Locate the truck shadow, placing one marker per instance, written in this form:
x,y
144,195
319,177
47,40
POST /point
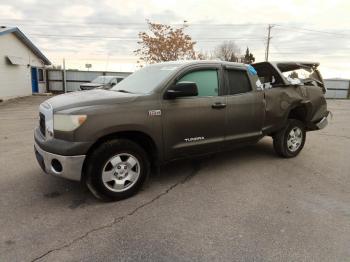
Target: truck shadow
x,y
263,150
178,171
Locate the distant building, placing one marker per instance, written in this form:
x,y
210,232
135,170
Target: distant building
x,y
75,78
22,65
337,88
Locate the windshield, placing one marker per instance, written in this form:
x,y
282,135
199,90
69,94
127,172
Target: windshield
x,y
146,79
102,79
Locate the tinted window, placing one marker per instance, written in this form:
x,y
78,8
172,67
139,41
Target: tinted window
x,y
114,81
238,82
41,75
206,80
102,79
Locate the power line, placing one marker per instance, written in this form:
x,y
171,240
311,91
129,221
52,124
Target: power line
x,y
112,23
33,22
130,38
312,30
207,39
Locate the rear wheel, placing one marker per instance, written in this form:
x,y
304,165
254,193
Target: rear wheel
x,y
289,141
117,169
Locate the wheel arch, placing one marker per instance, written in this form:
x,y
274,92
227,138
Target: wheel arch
x,y
301,111
141,138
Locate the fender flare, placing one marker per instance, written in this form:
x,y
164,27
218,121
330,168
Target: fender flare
x,y
306,105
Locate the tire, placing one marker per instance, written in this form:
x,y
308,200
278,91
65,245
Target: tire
x,y
289,141
117,169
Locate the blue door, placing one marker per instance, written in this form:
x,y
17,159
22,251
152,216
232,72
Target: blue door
x,y
35,88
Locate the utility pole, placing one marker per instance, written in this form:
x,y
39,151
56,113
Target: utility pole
x,y
269,37
64,76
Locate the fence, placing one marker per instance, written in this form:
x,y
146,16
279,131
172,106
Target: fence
x,y
74,78
337,88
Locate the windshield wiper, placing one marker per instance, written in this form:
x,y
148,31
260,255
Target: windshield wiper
x,y
123,91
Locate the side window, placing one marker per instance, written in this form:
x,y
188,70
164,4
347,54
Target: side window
x,y
238,82
40,75
206,80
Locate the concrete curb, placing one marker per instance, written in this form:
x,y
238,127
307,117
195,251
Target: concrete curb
x,y
4,101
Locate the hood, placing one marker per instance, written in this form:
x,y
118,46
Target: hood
x,y
272,73
89,98
314,77
290,66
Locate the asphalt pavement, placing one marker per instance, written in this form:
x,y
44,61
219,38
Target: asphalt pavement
x,y
243,205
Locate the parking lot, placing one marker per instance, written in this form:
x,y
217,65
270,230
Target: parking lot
x,y
244,205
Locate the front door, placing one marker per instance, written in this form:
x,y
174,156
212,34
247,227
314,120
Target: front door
x,y
34,73
195,125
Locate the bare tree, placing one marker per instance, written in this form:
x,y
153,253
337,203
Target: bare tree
x,y
228,51
165,43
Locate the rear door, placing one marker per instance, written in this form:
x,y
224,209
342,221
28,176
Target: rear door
x,y
245,107
195,125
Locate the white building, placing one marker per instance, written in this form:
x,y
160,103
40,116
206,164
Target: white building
x,y
337,88
21,65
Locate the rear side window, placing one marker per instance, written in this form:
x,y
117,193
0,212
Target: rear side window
x,y
41,75
238,82
206,80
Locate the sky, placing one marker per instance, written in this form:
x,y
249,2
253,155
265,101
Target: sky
x,y
104,33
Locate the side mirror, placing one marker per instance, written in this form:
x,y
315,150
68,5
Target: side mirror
x,y
182,89
113,84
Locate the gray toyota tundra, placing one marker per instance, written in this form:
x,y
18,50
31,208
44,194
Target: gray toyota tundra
x,y
110,139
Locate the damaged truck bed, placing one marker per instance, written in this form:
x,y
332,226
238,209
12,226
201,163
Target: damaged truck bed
x,y
292,90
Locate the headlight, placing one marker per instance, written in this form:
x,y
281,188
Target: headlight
x,y
68,122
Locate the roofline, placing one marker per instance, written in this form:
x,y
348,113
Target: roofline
x,y
22,37
185,63
93,71
290,62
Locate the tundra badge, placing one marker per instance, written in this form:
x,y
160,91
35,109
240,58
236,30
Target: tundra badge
x,y
154,112
191,139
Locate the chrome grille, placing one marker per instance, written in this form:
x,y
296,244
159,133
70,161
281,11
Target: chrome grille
x,y
42,124
46,120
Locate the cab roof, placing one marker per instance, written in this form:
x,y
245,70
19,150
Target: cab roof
x,y
184,63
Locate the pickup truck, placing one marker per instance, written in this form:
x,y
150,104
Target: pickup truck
x,y
102,82
111,139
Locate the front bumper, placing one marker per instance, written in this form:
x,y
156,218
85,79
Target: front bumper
x,y
60,146
69,167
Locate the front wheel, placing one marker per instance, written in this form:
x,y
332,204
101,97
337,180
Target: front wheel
x,y
117,169
289,141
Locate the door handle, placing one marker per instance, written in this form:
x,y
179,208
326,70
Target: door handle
x,y
218,105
